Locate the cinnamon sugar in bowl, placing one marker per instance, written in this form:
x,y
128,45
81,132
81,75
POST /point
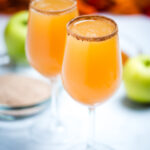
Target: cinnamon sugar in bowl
x,y
22,96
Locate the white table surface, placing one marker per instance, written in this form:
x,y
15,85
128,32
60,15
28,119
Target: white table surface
x,y
119,123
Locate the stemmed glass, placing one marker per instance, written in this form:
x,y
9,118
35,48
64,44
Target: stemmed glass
x,y
45,50
91,70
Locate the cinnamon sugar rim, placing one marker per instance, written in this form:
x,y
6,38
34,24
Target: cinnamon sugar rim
x,y
89,17
53,12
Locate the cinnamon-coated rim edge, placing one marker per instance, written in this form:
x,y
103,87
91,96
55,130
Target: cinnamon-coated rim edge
x,y
52,12
88,17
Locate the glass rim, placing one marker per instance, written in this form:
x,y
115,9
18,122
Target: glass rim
x,y
11,113
53,12
85,38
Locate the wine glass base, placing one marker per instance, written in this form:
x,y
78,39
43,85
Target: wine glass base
x,y
50,137
55,136
94,146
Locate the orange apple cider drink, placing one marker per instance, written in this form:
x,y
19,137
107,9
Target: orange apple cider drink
x,y
47,34
91,69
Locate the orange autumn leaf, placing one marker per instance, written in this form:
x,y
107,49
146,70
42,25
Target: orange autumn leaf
x,y
125,7
100,4
125,57
84,8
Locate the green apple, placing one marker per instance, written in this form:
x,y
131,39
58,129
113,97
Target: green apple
x,y
15,35
136,77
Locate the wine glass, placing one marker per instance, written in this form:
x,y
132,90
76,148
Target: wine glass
x,y
45,50
91,70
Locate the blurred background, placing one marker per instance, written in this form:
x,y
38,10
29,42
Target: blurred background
x,y
88,6
122,122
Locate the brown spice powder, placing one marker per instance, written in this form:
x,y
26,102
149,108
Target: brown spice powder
x,y
18,90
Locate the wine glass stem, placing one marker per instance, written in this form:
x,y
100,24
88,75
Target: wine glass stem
x,y
55,100
91,126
